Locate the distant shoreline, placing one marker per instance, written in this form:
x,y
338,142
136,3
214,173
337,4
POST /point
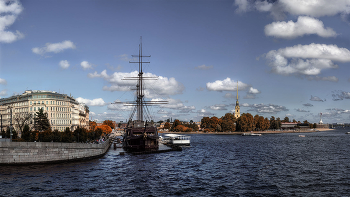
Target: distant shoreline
x,y
258,132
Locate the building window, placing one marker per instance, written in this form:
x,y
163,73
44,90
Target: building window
x,y
34,108
47,102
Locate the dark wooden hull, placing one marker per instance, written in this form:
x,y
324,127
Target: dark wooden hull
x,y
141,139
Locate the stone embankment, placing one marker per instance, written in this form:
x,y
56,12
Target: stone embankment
x,y
20,153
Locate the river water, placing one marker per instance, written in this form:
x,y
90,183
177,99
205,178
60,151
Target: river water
x,y
215,165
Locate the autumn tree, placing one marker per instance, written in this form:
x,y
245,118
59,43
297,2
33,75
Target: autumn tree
x,y
167,125
175,124
278,123
272,123
256,122
286,119
109,123
205,122
245,122
265,124
92,125
41,122
215,123
228,122
105,129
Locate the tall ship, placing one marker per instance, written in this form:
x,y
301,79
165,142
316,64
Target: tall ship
x,y
141,134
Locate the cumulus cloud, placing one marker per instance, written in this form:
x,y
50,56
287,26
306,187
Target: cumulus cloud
x,y
226,85
176,104
161,86
269,108
204,113
306,59
219,107
85,65
308,105
340,95
318,78
316,98
54,47
305,25
301,110
3,81
204,67
9,11
316,8
3,92
120,106
94,102
64,64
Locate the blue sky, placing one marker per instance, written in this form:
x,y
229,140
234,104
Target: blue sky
x,y
290,57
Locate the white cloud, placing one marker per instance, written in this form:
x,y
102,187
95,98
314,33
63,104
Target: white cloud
x,y
226,85
3,81
305,25
64,64
54,47
204,67
314,8
94,102
301,110
243,5
219,107
120,106
318,78
176,104
85,65
340,95
161,86
316,98
9,10
306,59
253,91
262,108
3,93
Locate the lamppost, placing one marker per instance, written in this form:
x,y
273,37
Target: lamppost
x,y
10,123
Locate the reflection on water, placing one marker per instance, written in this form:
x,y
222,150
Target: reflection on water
x,y
215,165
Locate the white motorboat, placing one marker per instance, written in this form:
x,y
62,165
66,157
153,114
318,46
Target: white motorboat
x,y
176,139
251,134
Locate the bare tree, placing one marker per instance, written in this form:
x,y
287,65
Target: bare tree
x,y
22,119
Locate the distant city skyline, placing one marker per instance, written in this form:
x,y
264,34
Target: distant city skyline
x,y
289,57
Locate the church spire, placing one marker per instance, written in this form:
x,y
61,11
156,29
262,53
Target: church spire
x,y
237,109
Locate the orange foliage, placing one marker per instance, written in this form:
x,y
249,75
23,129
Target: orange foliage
x,y
92,125
105,129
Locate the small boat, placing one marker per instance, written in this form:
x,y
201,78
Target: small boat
x,y
175,139
301,135
347,133
251,134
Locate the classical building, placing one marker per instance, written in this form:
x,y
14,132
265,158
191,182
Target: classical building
x,y
237,109
62,111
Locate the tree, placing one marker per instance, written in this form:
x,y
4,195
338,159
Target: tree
x,y
22,119
286,119
265,125
167,125
205,122
67,135
228,122
214,122
256,122
41,123
315,126
109,123
175,124
278,123
93,125
273,123
80,134
105,129
26,133
245,122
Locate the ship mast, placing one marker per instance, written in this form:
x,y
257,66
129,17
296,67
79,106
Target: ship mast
x,y
140,101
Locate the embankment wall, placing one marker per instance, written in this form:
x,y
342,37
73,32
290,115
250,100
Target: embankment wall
x,y
17,153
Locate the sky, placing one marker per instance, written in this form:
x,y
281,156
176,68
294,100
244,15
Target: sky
x,y
290,58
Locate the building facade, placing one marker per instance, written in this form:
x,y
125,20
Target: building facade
x,y
62,110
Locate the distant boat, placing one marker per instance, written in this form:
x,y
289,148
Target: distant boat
x,y
301,135
347,133
175,139
251,134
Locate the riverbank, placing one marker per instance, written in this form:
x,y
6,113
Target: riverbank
x,y
257,132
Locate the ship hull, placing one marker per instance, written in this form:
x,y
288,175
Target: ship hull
x,y
141,139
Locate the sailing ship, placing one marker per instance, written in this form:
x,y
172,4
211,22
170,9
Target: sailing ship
x,y
141,134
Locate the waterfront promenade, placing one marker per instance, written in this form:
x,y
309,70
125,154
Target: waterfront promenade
x,y
257,132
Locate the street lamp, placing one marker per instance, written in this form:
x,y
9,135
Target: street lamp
x,y
10,123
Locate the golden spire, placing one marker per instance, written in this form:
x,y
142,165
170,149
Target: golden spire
x,y
237,94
